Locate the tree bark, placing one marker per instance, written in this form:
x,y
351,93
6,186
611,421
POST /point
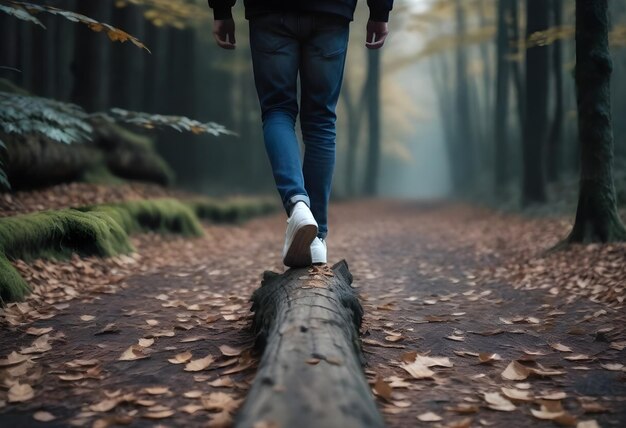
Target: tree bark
x,y
597,218
501,135
555,138
355,112
535,128
373,102
92,57
464,131
311,373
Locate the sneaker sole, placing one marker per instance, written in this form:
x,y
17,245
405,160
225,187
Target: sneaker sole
x,y
299,252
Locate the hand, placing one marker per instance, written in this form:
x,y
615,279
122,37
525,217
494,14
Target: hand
x,y
224,33
376,34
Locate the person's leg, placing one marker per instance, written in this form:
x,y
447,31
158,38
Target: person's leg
x,y
275,58
321,74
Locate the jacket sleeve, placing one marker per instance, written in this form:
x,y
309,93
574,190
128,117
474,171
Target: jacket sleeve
x,y
379,10
222,8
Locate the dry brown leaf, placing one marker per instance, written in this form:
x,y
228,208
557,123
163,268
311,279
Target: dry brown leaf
x,y
487,357
193,394
381,344
517,394
191,408
588,424
87,317
229,351
105,405
38,331
614,367
132,353
40,345
156,390
220,401
200,364
516,371
429,417
71,377
382,389
560,347
152,323
146,343
20,392
496,401
418,370
42,416
181,358
221,420
13,359
161,414
225,381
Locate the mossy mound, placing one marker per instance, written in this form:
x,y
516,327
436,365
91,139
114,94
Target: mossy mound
x,y
233,210
101,230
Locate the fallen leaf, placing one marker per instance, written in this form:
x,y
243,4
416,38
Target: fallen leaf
x,y
42,416
156,390
225,381
496,401
560,347
429,417
193,394
146,343
230,351
191,408
132,353
159,415
486,358
382,389
20,392
13,359
87,318
105,405
200,364
418,370
614,367
553,396
181,358
588,424
71,376
221,420
152,323
516,394
38,331
220,401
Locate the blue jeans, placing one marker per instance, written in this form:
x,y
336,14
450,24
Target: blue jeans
x,y
314,46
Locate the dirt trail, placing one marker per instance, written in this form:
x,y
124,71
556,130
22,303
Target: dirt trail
x,y
447,281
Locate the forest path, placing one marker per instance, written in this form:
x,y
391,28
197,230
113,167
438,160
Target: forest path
x,y
451,281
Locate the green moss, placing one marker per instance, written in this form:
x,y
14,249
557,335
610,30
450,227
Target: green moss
x,y
233,210
101,230
160,215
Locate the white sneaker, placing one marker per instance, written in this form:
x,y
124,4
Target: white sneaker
x,y
301,231
318,251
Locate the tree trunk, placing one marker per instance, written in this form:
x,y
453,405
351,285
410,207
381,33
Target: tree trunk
x,y
555,140
355,112
373,102
65,53
502,99
92,57
597,219
310,375
8,50
535,128
127,79
464,127
44,53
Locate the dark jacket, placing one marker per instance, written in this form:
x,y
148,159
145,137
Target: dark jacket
x,y
379,9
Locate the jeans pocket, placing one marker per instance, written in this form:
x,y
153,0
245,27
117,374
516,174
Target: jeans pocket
x,y
266,33
331,36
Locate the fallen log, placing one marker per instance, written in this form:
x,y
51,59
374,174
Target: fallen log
x,y
310,375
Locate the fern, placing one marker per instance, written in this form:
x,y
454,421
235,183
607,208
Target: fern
x,y
158,121
58,121
24,11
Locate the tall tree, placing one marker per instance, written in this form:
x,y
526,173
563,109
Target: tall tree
x,y
597,218
501,140
373,102
464,129
555,138
535,127
354,113
92,57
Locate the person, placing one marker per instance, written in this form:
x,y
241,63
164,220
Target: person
x,y
308,38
